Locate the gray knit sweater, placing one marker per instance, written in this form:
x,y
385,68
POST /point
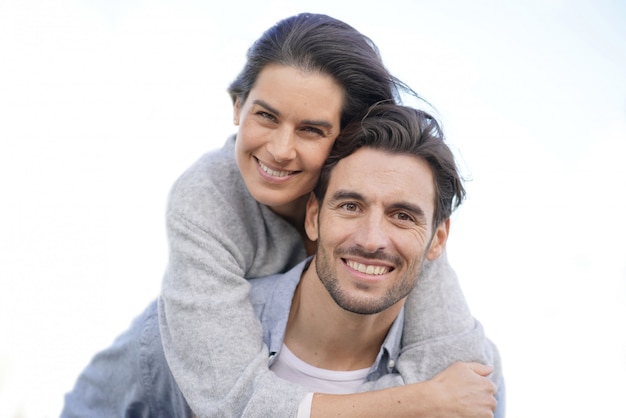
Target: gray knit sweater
x,y
218,235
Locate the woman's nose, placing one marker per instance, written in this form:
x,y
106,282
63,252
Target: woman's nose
x,y
282,147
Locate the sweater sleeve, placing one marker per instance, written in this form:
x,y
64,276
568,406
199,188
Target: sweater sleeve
x,y
211,337
439,330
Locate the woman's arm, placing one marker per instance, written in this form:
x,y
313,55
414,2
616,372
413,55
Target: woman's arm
x,y
460,391
211,337
439,331
439,328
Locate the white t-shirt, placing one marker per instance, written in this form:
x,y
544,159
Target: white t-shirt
x,y
291,368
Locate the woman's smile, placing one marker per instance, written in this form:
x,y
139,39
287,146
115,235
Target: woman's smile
x,y
274,173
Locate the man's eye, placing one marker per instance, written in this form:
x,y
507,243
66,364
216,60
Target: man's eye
x,y
404,217
350,207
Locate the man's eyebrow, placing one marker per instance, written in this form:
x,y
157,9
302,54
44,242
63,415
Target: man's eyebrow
x,y
320,123
346,194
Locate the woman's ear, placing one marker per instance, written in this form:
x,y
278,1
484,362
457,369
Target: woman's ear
x,y
312,217
438,243
236,111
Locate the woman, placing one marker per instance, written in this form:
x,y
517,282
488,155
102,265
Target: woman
x,y
239,212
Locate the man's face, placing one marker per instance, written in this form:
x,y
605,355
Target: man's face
x,y
374,229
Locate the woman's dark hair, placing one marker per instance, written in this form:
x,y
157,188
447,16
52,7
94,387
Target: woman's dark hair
x,y
402,130
316,42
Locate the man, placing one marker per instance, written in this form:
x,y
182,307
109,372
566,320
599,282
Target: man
x,y
380,211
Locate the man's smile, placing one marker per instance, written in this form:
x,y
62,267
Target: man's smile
x,y
371,269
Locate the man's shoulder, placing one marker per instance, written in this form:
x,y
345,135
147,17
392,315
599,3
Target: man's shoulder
x,y
276,290
266,288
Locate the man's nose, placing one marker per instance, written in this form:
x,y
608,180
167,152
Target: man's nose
x,y
373,233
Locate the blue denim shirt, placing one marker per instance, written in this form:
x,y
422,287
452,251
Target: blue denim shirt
x,y
131,377
271,298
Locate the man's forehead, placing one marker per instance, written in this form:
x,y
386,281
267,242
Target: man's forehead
x,y
368,159
373,171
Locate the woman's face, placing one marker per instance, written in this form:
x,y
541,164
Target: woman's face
x,y
287,126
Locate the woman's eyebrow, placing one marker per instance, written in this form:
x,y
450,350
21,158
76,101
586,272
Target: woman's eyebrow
x,y
266,105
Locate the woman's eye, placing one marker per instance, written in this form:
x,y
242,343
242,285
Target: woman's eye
x,y
266,115
313,130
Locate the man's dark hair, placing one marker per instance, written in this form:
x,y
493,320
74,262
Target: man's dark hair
x,y
402,130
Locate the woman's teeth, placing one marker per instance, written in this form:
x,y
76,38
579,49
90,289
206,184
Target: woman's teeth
x,y
274,173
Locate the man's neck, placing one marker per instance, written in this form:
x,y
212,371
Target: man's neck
x,y
324,335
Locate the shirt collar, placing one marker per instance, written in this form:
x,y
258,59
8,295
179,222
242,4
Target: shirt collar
x,y
274,303
390,350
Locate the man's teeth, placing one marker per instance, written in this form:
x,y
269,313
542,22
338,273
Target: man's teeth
x,y
367,269
274,173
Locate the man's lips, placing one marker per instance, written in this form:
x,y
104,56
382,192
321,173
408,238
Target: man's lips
x,y
370,269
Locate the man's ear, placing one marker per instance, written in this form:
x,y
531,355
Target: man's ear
x,y
438,243
312,217
236,111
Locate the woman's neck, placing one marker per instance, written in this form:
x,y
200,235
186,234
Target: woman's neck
x,y
294,212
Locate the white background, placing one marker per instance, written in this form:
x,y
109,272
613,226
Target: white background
x,y
104,103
